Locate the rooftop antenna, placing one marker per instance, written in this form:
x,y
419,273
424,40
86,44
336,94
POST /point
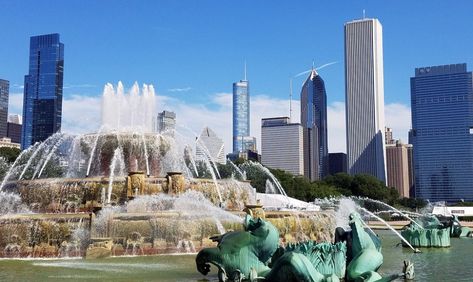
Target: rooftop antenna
x,y
313,63
290,99
245,70
364,14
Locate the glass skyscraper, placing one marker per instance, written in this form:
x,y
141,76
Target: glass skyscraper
x,y
4,92
42,101
242,141
314,126
442,132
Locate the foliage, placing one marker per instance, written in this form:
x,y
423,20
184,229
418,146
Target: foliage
x,y
412,203
9,154
299,187
4,166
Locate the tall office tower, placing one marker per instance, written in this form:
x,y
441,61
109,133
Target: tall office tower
x,y
4,92
337,163
14,125
166,122
282,145
397,164
242,141
314,124
364,95
442,132
388,136
42,100
209,147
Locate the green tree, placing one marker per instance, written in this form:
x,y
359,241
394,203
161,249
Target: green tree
x,y
10,154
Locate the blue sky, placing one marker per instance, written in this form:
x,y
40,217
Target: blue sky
x,y
200,46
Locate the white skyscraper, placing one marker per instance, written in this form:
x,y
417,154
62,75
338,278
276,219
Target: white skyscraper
x,y
282,145
364,94
210,146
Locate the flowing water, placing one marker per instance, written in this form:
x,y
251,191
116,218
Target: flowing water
x,y
390,227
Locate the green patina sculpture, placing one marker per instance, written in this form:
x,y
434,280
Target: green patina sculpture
x,y
253,254
434,231
459,231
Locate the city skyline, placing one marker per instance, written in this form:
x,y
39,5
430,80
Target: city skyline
x,y
269,69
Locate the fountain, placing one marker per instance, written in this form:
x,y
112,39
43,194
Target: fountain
x,y
92,195
434,231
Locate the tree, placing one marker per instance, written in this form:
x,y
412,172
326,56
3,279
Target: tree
x,y
10,154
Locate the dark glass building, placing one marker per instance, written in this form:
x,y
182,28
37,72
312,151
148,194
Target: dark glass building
x,y
442,132
314,127
4,92
42,101
337,163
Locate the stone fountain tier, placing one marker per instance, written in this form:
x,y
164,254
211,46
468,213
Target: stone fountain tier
x,y
63,195
44,235
140,233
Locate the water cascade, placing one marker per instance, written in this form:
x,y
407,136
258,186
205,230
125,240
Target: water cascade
x,y
392,208
391,228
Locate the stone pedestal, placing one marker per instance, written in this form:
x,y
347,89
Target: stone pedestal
x,y
135,183
255,210
175,183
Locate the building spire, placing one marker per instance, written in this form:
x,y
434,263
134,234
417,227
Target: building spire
x,y
290,100
364,14
245,70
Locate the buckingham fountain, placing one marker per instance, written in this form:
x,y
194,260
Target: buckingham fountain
x,y
126,190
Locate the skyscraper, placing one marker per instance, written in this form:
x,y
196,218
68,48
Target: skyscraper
x,y
388,136
442,132
314,124
281,145
42,100
337,163
210,146
14,125
242,141
166,122
398,168
364,95
4,92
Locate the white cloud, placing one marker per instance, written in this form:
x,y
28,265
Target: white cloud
x,y
336,127
185,89
398,117
81,114
15,103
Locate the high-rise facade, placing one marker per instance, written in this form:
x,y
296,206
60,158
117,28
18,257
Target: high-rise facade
x,y
4,92
389,136
398,168
282,145
337,163
442,132
166,122
314,124
14,125
42,100
364,95
210,146
242,141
